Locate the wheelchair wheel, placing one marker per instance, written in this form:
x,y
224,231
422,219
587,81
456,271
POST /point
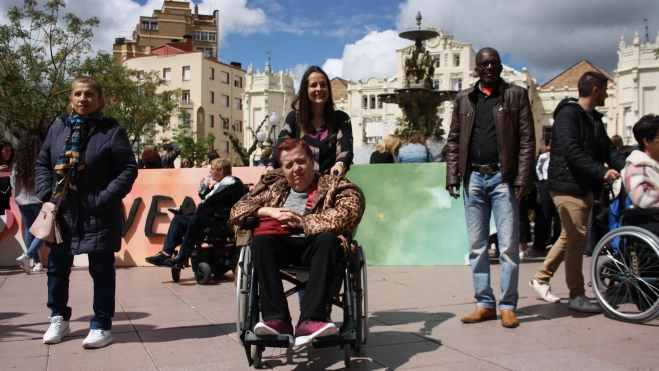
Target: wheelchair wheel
x,y
362,300
625,274
241,287
203,273
257,354
346,355
176,274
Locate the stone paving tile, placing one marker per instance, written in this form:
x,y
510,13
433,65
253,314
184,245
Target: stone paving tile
x,y
627,353
313,360
25,364
170,316
553,359
413,355
23,349
463,366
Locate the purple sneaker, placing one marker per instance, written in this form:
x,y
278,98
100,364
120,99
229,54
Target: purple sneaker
x,y
309,330
276,327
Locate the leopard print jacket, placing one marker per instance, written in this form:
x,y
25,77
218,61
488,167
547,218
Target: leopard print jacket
x,y
337,207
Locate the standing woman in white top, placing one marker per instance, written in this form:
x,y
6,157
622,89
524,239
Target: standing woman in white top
x,y
546,209
22,181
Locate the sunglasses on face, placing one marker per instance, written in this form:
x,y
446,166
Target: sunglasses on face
x,y
186,163
485,64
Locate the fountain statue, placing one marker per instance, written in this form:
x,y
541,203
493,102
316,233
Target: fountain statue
x,y
417,98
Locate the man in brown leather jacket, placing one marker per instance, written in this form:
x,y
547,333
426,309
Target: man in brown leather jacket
x,y
491,147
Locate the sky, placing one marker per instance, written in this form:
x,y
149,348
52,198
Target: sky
x,y
358,38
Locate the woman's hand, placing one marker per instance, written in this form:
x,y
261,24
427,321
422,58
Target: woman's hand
x,y
338,169
4,167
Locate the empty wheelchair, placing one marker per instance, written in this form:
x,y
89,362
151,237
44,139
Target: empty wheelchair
x,y
353,300
213,254
624,270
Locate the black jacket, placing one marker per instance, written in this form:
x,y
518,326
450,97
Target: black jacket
x,y
222,200
579,149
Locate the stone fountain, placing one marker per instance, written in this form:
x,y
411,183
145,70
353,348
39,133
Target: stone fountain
x,y
417,98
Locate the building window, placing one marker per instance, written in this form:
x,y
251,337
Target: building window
x,y
238,81
546,133
456,60
186,73
225,123
149,142
224,146
212,121
208,52
150,24
372,101
373,140
212,97
212,74
237,126
237,103
365,99
437,61
185,98
224,100
380,103
185,120
456,83
225,78
435,84
167,74
205,35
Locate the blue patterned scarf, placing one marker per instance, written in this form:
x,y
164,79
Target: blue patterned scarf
x,y
72,160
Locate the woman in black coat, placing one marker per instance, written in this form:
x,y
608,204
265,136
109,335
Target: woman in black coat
x,y
94,152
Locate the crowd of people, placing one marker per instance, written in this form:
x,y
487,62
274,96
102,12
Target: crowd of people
x,y
308,209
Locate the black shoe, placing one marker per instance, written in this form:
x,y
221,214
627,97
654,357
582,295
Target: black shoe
x,y
158,259
177,260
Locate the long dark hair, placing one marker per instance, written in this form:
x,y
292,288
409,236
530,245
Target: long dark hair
x,y
4,144
26,160
305,114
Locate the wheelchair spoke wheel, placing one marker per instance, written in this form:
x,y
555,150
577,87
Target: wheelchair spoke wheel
x,y
203,273
346,355
242,290
625,274
362,302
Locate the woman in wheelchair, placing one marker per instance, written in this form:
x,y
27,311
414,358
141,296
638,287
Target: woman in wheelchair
x,y
305,219
641,174
184,230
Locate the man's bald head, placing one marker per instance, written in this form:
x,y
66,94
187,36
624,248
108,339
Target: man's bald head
x,y
488,66
486,49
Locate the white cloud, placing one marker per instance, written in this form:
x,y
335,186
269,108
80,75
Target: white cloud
x,y
120,17
298,71
546,36
372,56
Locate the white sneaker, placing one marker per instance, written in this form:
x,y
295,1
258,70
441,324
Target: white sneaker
x,y
37,267
24,262
97,339
544,291
57,330
521,256
582,304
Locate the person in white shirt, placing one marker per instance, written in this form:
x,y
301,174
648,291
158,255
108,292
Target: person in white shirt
x,y
546,214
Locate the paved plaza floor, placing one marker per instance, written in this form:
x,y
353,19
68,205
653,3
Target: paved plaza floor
x,y
414,323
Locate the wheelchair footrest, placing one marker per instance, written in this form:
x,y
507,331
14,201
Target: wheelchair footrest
x,y
336,340
270,341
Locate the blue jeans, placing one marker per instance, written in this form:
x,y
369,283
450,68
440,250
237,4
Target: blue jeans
x,y
484,195
29,214
101,268
184,230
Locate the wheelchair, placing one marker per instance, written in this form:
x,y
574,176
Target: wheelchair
x,y
214,254
624,270
353,300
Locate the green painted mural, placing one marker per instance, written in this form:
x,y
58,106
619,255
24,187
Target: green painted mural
x,y
410,218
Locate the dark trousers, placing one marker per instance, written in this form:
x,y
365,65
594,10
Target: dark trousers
x,y
185,230
547,220
322,255
101,268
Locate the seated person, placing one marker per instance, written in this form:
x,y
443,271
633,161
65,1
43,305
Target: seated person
x,y
185,229
305,219
641,173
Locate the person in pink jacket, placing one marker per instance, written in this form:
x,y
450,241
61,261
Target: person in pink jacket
x,y
641,173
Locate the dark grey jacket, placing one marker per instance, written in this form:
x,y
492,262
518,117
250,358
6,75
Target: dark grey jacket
x,y
91,217
579,149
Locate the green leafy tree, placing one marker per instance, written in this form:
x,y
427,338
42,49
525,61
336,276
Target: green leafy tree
x,y
135,98
192,146
40,53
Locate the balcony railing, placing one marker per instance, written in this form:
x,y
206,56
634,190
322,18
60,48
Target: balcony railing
x,y
186,103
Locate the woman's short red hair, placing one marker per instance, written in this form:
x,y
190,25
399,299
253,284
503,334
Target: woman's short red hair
x,y
291,145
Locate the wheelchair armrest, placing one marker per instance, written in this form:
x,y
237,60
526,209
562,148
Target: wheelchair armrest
x,y
251,222
639,212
